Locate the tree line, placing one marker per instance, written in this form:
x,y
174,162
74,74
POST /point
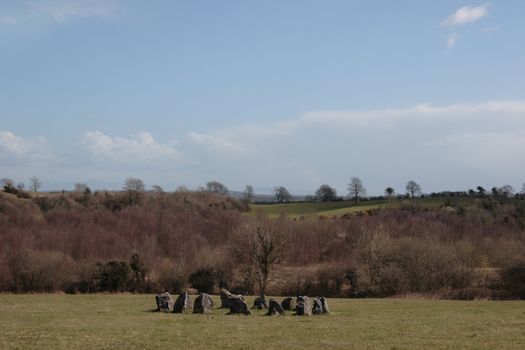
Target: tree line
x,y
146,241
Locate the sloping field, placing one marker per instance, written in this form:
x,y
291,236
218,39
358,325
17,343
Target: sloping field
x,y
126,322
345,207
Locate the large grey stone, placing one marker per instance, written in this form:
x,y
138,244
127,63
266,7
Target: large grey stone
x,y
225,294
260,303
203,304
303,306
317,306
164,302
326,309
274,308
182,303
237,305
288,304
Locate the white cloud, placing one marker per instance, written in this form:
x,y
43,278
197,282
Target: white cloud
x,y
423,141
422,112
466,14
452,40
140,147
62,10
8,20
16,148
488,151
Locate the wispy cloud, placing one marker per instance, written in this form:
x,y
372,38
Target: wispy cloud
x,y
140,147
59,11
62,10
8,20
18,149
466,14
402,141
452,40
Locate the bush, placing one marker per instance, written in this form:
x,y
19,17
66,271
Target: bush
x,y
113,276
204,279
513,280
169,277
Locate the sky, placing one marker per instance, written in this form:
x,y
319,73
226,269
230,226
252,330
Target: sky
x,y
294,93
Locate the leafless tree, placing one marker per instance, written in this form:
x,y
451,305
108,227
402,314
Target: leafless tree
x,y
217,187
81,187
134,187
282,195
263,247
157,189
34,183
413,189
356,190
507,191
7,182
247,195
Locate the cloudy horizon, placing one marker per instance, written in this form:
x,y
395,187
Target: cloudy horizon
x,y
297,94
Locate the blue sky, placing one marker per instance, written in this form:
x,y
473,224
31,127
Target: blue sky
x,y
293,93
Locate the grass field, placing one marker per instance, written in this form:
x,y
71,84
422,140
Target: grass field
x,y
125,322
297,209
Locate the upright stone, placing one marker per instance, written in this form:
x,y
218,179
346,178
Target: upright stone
x,y
182,303
225,294
203,304
303,306
237,305
164,302
317,306
288,304
326,309
274,308
260,303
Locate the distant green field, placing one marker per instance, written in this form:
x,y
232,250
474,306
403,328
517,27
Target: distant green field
x,y
345,207
126,322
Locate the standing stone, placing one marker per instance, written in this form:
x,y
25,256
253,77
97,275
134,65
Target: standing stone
x,y
303,306
164,302
326,309
288,304
203,304
260,303
275,308
317,306
225,294
182,303
238,305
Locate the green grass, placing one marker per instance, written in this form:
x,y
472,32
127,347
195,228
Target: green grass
x,y
125,322
346,207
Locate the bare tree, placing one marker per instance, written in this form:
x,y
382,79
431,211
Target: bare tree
x,y
356,190
389,192
6,182
217,187
34,183
263,248
134,187
523,189
413,189
507,191
326,193
247,195
281,194
157,189
81,187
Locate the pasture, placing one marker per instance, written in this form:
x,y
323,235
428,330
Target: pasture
x,y
124,321
330,209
